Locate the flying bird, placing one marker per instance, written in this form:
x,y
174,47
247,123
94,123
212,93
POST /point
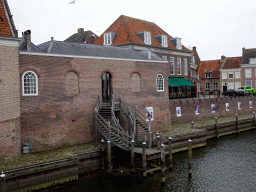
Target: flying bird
x,y
72,2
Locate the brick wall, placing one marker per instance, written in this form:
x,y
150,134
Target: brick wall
x,y
56,118
9,101
205,112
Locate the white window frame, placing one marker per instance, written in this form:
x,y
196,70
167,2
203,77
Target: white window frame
x,y
164,57
207,86
248,73
179,65
172,69
107,39
237,74
185,66
231,73
29,86
208,75
237,84
178,43
160,83
231,85
215,86
255,72
164,41
147,38
224,75
247,85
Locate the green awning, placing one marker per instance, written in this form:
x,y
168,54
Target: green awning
x,y
179,82
173,83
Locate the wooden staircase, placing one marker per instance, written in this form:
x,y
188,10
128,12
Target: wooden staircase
x,y
109,127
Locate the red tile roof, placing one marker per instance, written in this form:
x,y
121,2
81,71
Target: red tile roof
x,y
209,66
232,62
126,29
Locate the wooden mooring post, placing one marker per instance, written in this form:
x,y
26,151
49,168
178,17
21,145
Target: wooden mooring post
x,y
2,182
109,157
189,157
144,159
170,153
254,118
102,166
162,163
157,140
133,156
217,126
237,124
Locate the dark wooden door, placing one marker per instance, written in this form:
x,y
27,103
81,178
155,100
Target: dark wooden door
x,y
106,86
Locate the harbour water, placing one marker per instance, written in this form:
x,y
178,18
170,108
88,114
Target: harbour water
x,y
225,164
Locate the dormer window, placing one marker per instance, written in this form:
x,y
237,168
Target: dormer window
x,y
176,42
147,38
164,41
208,75
108,38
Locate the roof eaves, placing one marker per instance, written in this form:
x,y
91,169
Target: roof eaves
x,y
153,47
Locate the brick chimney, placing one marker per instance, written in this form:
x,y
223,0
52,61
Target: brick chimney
x,y
80,30
28,40
223,57
194,48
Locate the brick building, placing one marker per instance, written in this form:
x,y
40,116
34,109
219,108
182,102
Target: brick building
x,y
9,85
146,37
248,66
230,74
58,109
209,75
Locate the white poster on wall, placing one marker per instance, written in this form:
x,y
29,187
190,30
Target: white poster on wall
x,y
213,108
178,111
227,106
196,110
149,113
250,104
239,105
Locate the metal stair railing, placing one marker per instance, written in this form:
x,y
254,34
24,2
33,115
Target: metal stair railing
x,y
97,109
125,137
136,117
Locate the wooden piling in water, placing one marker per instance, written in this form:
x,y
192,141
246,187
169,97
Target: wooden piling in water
x,y
170,153
254,118
102,166
189,157
162,163
192,125
132,156
217,126
161,139
144,159
237,124
109,157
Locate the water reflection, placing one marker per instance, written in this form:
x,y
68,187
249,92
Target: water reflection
x,y
226,164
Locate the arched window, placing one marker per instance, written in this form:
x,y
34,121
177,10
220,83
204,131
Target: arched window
x,y
29,83
160,82
72,83
135,82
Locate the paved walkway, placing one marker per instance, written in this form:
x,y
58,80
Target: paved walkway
x,y
62,153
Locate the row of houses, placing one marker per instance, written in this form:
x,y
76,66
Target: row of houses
x,y
228,72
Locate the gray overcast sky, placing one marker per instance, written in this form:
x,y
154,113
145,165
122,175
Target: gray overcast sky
x,y
219,27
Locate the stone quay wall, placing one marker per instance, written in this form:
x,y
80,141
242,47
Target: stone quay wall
x,y
223,107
